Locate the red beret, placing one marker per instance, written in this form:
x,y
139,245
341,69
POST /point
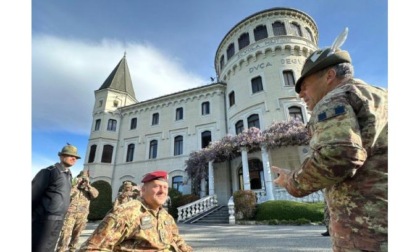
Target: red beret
x,y
161,175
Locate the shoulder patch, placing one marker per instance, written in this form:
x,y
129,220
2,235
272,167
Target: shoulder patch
x,y
330,113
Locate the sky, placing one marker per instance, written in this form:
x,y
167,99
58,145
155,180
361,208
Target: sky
x,y
60,52
170,46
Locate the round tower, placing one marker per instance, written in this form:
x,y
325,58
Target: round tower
x,y
260,59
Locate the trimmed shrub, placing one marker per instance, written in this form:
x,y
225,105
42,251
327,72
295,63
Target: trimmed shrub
x,y
100,206
290,211
245,204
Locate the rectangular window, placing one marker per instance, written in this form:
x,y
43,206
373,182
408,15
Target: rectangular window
x,y
205,108
231,98
130,153
133,124
178,145
257,85
289,80
155,119
153,149
112,125
179,114
97,124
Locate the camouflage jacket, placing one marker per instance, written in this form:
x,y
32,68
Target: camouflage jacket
x,y
349,140
80,199
134,227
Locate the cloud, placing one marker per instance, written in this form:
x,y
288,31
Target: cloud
x,y
66,72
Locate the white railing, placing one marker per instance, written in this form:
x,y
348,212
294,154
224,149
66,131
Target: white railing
x,y
282,194
231,208
194,208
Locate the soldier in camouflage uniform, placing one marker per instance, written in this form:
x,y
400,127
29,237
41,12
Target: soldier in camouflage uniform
x,y
349,139
127,194
76,218
139,225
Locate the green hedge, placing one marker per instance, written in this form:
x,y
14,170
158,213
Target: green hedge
x,y
282,210
100,206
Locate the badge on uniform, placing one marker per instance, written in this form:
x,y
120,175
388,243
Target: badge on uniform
x,y
146,222
339,110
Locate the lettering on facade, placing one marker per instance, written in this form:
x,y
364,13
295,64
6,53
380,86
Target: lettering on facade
x,y
266,42
260,66
290,61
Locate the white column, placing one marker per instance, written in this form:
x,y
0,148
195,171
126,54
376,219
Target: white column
x,y
267,173
203,188
211,178
245,168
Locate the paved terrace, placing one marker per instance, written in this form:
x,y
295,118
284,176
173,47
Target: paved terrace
x,y
240,238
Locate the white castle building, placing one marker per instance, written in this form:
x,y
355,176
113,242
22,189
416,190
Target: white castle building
x,y
257,64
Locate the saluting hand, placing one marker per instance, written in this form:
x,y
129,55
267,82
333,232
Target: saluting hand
x,y
281,180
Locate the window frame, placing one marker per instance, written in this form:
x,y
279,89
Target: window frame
x,y
179,114
289,78
155,119
133,123
178,145
253,120
112,125
130,152
205,108
257,85
153,149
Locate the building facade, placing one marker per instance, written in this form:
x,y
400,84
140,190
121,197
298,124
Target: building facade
x,y
257,64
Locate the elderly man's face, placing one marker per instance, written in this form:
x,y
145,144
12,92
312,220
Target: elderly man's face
x,y
155,193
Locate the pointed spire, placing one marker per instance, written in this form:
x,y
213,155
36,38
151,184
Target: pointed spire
x,y
120,78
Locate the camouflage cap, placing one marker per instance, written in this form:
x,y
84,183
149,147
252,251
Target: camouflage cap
x,y
319,60
82,174
127,184
69,150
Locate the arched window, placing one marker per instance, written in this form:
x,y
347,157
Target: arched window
x,y
296,113
260,32
256,175
253,121
92,153
177,183
309,34
205,138
222,62
130,153
239,126
230,51
296,29
243,40
153,149
178,143
279,28
107,153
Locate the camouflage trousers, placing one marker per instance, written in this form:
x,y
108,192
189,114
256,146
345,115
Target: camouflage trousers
x,y
73,226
